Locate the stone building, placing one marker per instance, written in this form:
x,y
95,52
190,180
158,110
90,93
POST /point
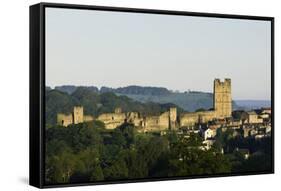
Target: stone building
x,y
222,98
112,120
165,121
64,119
192,118
251,117
77,116
222,106
222,109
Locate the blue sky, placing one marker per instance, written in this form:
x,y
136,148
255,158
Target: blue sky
x,y
86,47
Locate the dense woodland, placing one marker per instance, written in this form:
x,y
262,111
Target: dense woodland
x,y
88,152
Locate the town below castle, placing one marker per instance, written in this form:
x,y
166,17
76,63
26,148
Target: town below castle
x,y
254,123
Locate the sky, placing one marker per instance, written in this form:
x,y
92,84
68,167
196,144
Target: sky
x,y
117,49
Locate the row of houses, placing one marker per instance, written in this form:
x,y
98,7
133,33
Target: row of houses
x,y
247,124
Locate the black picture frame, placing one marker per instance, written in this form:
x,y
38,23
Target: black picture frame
x,y
37,88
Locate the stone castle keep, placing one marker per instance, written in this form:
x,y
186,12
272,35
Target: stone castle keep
x,y
222,108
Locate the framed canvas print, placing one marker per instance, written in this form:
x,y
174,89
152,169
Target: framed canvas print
x,y
123,95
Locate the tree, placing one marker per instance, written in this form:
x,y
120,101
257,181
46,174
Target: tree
x,y
137,166
200,109
189,158
90,160
128,131
116,170
61,167
118,138
172,137
153,152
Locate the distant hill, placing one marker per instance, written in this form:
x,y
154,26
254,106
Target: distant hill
x,y
253,104
138,90
70,89
189,101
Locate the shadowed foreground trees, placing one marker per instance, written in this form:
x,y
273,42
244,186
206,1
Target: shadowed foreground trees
x,y
88,152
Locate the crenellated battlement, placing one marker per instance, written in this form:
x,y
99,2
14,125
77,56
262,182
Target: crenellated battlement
x,y
225,83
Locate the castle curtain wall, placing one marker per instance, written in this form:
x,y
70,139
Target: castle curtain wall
x,y
64,119
167,120
112,120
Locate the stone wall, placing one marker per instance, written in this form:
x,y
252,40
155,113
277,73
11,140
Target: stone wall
x,y
64,119
88,118
164,120
190,119
151,123
112,120
206,116
134,118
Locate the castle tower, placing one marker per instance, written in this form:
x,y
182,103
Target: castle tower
x,y
173,117
78,115
222,98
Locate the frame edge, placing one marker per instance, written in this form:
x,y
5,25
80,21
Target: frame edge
x,y
35,175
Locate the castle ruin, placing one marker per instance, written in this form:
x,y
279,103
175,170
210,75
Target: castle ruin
x,y
77,116
222,108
